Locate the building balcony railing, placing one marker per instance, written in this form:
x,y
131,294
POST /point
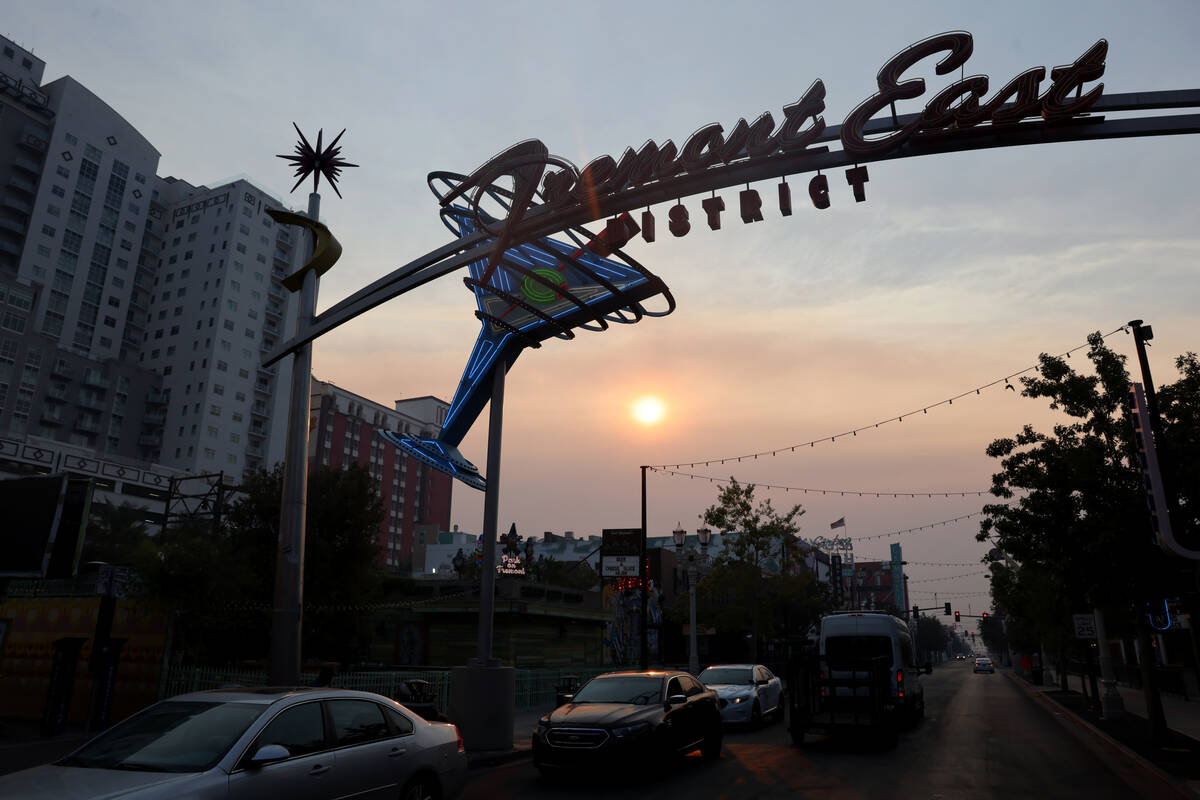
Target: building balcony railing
x,y
12,225
51,415
12,201
62,368
10,248
150,440
27,164
156,397
92,377
259,411
17,182
91,401
155,418
31,141
87,425
55,393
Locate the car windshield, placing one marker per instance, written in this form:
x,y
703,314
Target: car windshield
x,y
727,675
172,736
636,689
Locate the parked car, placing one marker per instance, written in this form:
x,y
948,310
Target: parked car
x,y
984,665
624,719
258,742
750,692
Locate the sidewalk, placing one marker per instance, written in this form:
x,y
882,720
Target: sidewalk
x,y
1172,770
523,724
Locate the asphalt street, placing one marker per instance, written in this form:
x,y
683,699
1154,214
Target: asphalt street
x,y
982,737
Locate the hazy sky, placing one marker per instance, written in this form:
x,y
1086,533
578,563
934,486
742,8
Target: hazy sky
x,y
958,269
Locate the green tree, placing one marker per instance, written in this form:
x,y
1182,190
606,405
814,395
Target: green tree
x,y
1072,532
754,585
115,533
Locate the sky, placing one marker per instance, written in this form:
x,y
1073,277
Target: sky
x,y
956,270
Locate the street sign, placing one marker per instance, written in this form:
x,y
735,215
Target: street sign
x,y
620,552
1085,626
619,566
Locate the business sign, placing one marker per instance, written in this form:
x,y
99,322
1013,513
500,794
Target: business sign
x,y
620,552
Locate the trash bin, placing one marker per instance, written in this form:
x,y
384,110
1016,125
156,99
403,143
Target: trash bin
x,y
564,691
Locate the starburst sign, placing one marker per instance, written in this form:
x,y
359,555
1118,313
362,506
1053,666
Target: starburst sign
x,y
316,161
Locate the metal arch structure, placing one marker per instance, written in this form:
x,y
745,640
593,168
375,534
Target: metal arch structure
x,y
545,220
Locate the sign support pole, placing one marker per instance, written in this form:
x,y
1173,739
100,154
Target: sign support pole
x,y
644,573
491,504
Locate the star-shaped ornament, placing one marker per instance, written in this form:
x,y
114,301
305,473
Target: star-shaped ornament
x,y
317,161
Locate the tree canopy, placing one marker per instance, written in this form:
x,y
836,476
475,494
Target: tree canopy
x,y
1072,531
756,583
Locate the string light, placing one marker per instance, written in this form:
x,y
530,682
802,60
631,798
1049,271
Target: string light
x,y
842,492
950,577
899,418
916,529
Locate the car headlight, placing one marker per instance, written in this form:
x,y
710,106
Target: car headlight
x,y
543,726
630,731
739,699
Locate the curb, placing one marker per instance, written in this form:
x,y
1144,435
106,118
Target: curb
x,y
1138,774
494,758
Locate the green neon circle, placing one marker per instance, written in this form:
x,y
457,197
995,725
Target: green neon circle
x,y
539,293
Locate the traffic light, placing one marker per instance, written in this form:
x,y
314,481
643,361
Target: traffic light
x,y
985,615
916,612
947,609
956,616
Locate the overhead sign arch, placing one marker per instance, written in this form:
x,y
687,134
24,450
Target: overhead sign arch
x,y
550,196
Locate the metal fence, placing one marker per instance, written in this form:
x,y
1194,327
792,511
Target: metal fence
x,y
535,688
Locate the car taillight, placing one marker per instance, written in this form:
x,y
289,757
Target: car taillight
x,y
461,749
900,682
822,683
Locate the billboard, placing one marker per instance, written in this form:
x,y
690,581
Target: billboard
x,y
620,552
45,521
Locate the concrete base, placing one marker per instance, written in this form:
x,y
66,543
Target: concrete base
x,y
483,705
1111,704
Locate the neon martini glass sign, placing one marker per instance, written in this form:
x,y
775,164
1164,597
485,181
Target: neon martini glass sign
x,y
526,294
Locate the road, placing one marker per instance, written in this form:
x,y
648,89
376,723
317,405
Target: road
x,y
982,737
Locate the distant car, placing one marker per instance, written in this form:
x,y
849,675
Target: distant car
x,y
258,742
984,665
623,719
750,692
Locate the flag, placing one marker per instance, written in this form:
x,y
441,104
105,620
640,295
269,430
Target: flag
x,y
841,523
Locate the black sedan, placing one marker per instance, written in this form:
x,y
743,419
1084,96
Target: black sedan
x,y
628,718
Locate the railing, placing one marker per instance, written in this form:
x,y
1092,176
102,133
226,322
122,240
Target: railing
x,y
535,688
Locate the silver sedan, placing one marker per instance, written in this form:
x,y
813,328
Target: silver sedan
x,y
750,692
259,742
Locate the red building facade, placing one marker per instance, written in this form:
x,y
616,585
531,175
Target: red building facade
x,y
343,430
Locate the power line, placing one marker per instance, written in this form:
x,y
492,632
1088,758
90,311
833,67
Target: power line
x,y
916,529
853,432
840,492
950,577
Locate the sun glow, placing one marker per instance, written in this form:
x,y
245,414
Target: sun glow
x,y
648,410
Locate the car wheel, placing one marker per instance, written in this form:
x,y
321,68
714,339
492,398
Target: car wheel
x,y
420,788
756,715
710,749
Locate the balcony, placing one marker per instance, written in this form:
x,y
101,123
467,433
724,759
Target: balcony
x,y
254,452
57,393
87,425
12,225
33,142
10,248
16,203
259,410
92,401
62,368
52,416
156,397
28,187
93,377
27,164
153,440
155,418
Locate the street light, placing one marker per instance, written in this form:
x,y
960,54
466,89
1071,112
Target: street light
x,y
694,562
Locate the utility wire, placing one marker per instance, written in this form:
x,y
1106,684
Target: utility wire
x,y
853,432
841,492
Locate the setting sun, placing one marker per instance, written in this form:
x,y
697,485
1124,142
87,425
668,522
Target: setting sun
x,y
649,410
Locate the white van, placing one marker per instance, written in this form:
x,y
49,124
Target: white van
x,y
851,639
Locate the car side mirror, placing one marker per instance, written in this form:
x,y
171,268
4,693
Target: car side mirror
x,y
268,754
761,682
676,700
928,667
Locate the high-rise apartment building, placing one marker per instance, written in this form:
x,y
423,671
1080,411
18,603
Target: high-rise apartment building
x,y
217,304
343,430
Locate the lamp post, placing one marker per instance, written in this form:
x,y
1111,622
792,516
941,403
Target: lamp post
x,y
694,562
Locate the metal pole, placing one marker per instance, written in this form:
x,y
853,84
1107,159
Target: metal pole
x,y
644,572
287,610
1111,703
491,504
693,648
